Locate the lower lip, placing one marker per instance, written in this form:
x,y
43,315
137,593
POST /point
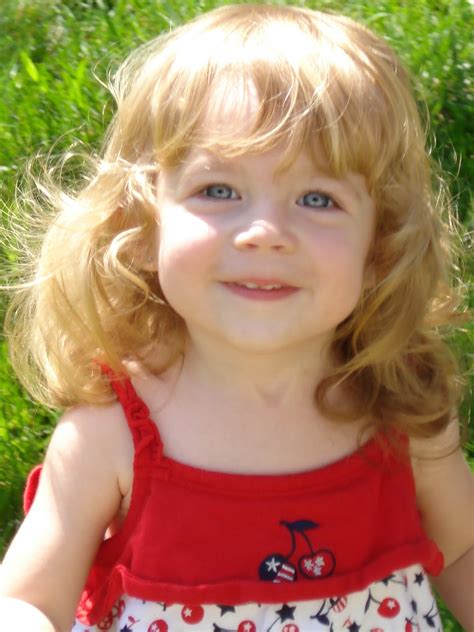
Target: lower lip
x,y
260,295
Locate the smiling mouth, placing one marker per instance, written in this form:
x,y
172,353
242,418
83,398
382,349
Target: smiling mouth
x,y
261,290
256,286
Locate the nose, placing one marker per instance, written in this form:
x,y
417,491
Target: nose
x,y
265,234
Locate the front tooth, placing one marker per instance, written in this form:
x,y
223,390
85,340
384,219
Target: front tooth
x,y
251,286
254,286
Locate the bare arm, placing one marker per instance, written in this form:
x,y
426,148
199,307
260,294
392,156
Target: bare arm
x,y
445,492
78,496
456,587
18,615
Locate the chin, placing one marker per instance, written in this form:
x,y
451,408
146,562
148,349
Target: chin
x,y
267,345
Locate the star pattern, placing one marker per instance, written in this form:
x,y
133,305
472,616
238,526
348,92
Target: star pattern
x,y
419,578
308,564
386,580
400,602
286,612
225,609
273,565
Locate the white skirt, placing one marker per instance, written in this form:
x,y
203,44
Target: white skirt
x,y
401,602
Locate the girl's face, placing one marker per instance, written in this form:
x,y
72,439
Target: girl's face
x,y
259,261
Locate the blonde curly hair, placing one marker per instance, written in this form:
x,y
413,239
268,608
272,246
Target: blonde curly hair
x,y
319,77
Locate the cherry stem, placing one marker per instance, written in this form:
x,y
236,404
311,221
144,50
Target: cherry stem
x,y
308,542
293,539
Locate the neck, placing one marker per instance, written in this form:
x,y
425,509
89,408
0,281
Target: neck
x,y
282,378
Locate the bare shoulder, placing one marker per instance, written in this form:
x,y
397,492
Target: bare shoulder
x,y
92,422
89,436
445,491
439,459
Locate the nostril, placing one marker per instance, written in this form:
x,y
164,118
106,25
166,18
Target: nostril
x,y
264,235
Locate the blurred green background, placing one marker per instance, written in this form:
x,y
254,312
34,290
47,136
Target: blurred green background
x,y
56,55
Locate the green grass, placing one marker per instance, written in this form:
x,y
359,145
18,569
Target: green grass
x,y
24,430
54,55
53,49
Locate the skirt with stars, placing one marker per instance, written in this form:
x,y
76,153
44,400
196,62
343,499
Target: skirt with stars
x,y
401,602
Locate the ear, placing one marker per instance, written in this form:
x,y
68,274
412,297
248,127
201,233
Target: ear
x,y
145,256
149,264
145,253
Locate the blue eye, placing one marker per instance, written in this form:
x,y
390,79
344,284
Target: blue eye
x,y
314,199
219,192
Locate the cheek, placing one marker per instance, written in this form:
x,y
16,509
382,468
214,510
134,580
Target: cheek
x,y
340,259
339,252
185,245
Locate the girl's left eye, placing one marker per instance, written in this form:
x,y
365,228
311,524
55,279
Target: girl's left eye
x,y
219,192
315,199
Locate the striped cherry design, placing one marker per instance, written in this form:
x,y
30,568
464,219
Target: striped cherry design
x,y
315,564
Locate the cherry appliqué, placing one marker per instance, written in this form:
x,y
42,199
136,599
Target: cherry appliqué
x,y
192,614
314,564
189,614
388,608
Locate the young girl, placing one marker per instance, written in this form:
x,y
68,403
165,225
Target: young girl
x,y
240,312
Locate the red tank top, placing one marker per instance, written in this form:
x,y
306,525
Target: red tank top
x,y
195,536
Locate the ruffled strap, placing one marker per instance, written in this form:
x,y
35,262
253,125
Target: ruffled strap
x,y
146,437
31,487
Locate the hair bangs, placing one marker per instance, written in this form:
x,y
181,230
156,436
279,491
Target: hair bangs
x,y
324,87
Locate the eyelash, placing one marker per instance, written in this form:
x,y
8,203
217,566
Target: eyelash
x,y
327,198
320,194
218,186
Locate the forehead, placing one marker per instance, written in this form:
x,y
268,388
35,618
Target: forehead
x,y
199,160
236,122
232,107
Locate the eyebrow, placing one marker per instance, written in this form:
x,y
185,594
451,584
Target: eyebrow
x,y
206,163
209,161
